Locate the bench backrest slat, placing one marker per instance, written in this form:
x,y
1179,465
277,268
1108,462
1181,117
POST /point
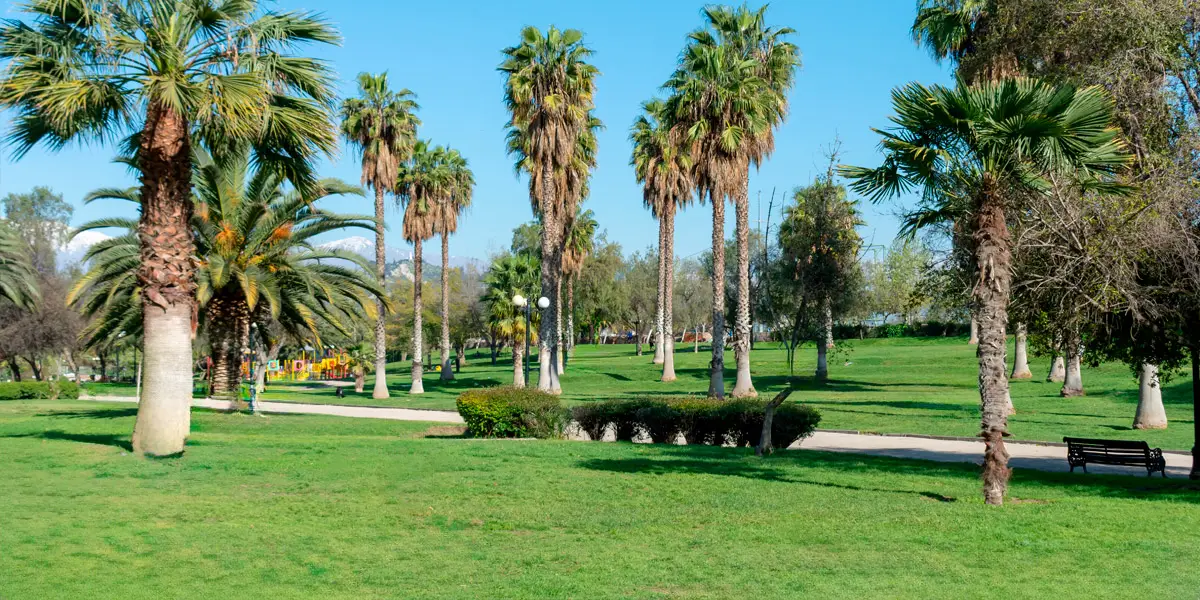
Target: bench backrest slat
x,y
1109,445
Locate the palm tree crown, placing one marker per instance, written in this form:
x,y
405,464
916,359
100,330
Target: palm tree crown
x,y
18,280
382,126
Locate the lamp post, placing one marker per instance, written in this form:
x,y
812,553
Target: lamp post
x,y
522,302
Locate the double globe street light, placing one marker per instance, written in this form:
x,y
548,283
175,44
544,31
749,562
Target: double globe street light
x,y
520,301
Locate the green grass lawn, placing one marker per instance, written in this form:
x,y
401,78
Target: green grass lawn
x,y
901,385
317,507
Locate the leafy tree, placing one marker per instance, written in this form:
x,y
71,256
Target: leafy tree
x,y
601,298
893,282
694,303
639,276
509,276
729,92
169,73
381,125
548,90
42,219
257,263
526,240
989,141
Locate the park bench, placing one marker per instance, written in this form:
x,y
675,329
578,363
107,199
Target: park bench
x,y
1081,451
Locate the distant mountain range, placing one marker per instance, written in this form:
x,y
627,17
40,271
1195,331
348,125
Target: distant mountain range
x,y
399,261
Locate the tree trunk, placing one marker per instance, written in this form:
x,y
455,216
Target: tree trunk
x,y
418,347
33,367
1073,382
1021,356
167,276
696,340
823,344
551,266
447,371
637,341
492,347
381,387
1058,370
764,440
668,252
103,356
272,353
559,335
716,381
993,257
14,368
519,363
829,324
228,315
1195,474
660,303
1150,411
71,364
360,379
743,386
974,339
570,349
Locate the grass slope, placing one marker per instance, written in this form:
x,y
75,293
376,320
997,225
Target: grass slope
x,y
317,507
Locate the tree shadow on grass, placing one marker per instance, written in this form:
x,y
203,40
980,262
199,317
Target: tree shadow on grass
x,y
804,467
110,413
102,439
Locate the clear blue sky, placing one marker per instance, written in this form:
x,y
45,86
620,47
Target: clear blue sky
x,y
854,52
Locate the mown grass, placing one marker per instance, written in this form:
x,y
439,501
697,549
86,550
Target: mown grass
x,y
319,507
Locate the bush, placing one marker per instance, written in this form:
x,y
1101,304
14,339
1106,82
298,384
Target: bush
x,y
39,390
508,412
699,420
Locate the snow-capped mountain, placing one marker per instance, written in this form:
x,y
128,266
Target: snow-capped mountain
x,y
72,252
365,247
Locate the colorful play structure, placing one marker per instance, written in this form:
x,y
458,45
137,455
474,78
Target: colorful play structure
x,y
312,365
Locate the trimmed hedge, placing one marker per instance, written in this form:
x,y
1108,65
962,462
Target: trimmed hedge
x,y
698,420
509,412
39,390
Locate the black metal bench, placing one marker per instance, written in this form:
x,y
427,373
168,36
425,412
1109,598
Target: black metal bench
x,y
1082,451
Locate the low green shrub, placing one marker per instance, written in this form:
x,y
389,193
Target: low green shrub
x,y
39,390
509,412
699,420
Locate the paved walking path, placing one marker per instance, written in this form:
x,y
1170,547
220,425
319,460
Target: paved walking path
x,y
1023,456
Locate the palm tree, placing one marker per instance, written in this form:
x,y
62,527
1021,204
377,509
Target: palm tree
x,y
169,73
382,126
581,241
729,93
954,30
548,91
452,202
18,280
665,170
509,276
256,262
422,182
986,146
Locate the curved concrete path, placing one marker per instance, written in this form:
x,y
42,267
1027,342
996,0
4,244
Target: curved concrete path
x,y
1022,456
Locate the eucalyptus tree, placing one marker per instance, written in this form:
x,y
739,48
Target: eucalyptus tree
x,y
581,241
729,93
256,263
549,92
450,204
423,181
664,169
18,280
381,125
168,73
984,147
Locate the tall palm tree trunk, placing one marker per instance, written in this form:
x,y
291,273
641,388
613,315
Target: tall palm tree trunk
x,y
823,343
558,323
716,378
659,300
381,387
447,368
167,276
551,266
743,387
418,344
518,351
570,348
228,326
668,338
993,258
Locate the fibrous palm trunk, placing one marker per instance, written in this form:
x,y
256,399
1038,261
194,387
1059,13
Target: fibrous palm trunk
x,y
668,340
418,363
823,344
518,351
716,378
167,276
570,347
551,266
743,386
993,257
447,370
228,327
1021,356
559,334
1150,411
974,339
828,324
659,300
381,387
